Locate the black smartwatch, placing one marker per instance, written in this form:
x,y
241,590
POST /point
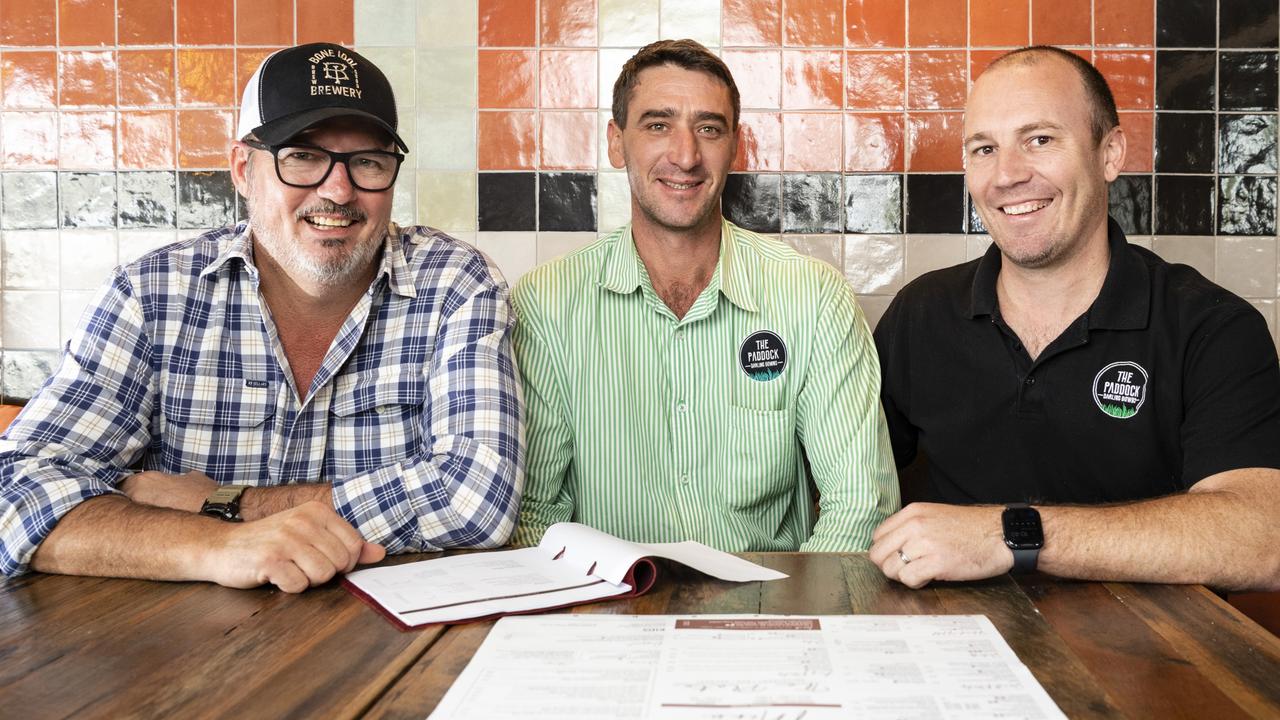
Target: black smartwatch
x,y
224,503
1024,535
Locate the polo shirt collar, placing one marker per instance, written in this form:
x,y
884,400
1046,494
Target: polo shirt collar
x,y
623,269
1123,303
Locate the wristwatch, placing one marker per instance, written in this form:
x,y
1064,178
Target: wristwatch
x,y
224,503
1024,535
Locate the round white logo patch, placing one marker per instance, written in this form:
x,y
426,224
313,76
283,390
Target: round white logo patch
x,y
1120,388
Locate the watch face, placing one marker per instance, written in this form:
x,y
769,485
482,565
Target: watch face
x,y
1022,529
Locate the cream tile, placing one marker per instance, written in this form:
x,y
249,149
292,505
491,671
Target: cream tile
x,y
874,263
133,244
614,197
27,319
447,79
404,205
1140,240
397,63
1245,266
975,246
73,304
628,22
515,253
448,23
87,258
447,200
30,259
446,140
384,23
696,19
1198,252
611,61
934,252
1268,310
874,307
407,125
552,245
827,248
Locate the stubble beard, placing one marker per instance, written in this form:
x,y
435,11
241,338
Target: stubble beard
x,y
331,269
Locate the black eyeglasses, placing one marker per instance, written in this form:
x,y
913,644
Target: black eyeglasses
x,y
303,166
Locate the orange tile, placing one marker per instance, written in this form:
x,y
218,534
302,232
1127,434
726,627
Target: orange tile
x,y
998,23
327,21
567,78
751,22
28,80
1138,135
85,22
934,142
811,141
204,137
505,140
812,79
979,60
812,23
508,78
568,140
145,22
875,23
760,142
873,142
936,80
146,78
29,139
569,23
206,22
87,140
264,22
1060,22
206,78
875,80
758,74
247,62
1131,76
1123,23
146,140
88,78
508,23
936,23
28,22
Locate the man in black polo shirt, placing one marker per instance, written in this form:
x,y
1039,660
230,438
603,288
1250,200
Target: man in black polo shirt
x,y
1129,409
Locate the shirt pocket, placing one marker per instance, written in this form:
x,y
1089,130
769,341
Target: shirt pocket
x,y
760,467
376,418
217,425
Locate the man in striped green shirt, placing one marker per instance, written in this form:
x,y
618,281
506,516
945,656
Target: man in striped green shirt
x,y
680,372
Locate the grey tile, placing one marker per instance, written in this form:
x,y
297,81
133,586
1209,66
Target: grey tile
x,y
1246,205
1247,144
206,199
88,199
25,371
754,201
873,203
811,203
1129,201
148,200
30,200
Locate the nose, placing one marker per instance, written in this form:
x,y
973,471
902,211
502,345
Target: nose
x,y
1011,167
683,152
337,185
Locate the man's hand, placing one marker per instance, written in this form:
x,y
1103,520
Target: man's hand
x,y
177,492
294,549
941,542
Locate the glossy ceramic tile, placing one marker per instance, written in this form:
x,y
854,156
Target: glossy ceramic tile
x,y
206,199
25,372
610,61
754,201
30,200
815,23
1184,205
1247,206
926,253
1247,81
88,200
812,203
936,80
1185,142
568,23
144,22
811,80
827,248
1060,22
247,62
751,22
88,79
552,245
205,22
1123,23
694,19
28,22
875,23
999,23
206,78
30,260
567,79
973,220
507,78
448,23
1247,144
567,140
514,252
29,140
404,201
146,140
86,140
1247,24
628,22
1245,266
1186,23
328,21
1129,202
447,200
760,144
28,319
506,140
1139,130
443,78
811,141
270,22
873,142
934,142
87,257
507,201
935,203
613,198
758,75
1185,79
28,80
873,263
1132,77
875,80
203,138
873,203
446,140
980,59
85,22
1198,252
566,202
936,23
73,304
146,78
148,199
508,23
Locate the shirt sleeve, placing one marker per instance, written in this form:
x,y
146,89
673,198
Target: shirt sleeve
x,y
548,499
842,428
463,489
891,343
84,428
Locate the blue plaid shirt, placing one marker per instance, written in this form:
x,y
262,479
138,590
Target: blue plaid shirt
x,y
414,415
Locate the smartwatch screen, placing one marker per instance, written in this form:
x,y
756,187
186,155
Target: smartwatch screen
x,y
1022,529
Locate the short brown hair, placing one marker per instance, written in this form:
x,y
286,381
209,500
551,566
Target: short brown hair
x,y
1102,104
686,54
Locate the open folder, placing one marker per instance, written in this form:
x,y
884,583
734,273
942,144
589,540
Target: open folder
x,y
574,564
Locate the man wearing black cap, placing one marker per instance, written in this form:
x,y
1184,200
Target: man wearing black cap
x,y
278,401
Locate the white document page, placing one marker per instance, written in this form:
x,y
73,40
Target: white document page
x,y
740,667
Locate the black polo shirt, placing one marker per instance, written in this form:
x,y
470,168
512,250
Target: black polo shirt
x,y
1165,380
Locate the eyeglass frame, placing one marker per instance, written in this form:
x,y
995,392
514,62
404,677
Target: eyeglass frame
x,y
334,158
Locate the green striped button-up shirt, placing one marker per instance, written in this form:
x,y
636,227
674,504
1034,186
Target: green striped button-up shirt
x,y
658,429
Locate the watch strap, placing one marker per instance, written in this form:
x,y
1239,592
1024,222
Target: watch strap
x,y
224,503
1024,561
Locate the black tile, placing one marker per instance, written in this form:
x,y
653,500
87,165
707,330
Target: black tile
x,y
975,225
811,203
88,199
1185,23
1246,205
753,201
147,200
1247,144
1248,23
1184,205
1184,142
507,201
935,203
873,203
1248,81
206,199
1184,79
1129,202
567,202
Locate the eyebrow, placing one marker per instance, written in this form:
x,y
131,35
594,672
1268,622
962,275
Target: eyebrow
x,y
1023,130
667,113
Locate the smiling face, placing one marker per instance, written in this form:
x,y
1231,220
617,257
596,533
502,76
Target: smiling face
x,y
320,236
677,147
1037,176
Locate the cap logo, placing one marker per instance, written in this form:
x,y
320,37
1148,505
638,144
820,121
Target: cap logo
x,y
333,72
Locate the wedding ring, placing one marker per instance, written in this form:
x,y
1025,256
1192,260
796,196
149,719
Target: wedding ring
x,y
903,557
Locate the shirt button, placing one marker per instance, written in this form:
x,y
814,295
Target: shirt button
x,y
684,479
1030,380
681,407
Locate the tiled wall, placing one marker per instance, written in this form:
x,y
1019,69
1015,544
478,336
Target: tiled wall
x,y
114,117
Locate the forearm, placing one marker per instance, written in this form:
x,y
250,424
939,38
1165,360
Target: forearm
x,y
259,502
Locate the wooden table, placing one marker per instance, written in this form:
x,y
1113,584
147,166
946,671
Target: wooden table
x,y
89,647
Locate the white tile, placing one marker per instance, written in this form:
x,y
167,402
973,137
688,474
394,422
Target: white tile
x,y
385,22
31,259
404,202
1245,266
934,252
447,200
1198,252
827,248
874,263
515,253
448,23
406,128
87,258
874,306
73,304
628,22
614,200
1140,240
28,319
397,64
695,19
975,246
611,61
552,245
446,140
136,243
447,79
